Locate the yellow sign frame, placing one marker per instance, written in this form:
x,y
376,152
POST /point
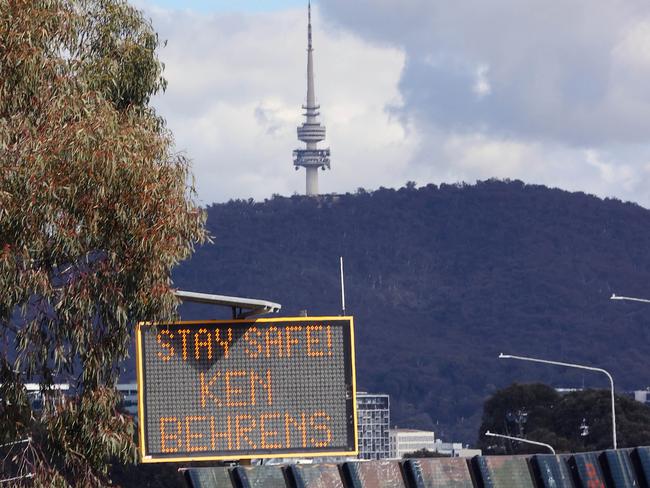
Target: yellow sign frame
x,y
145,458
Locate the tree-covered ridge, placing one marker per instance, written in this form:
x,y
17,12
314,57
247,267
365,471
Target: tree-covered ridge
x,y
578,421
441,280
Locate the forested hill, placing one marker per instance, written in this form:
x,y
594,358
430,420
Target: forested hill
x,y
442,279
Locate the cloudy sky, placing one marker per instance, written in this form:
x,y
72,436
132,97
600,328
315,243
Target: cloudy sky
x,y
550,92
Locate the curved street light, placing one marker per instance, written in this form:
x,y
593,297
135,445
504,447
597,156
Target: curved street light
x,y
492,434
630,299
577,366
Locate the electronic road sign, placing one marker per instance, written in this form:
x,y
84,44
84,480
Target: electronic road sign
x,y
243,389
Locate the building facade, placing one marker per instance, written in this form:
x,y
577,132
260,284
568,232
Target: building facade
x,y
455,449
129,393
373,414
642,396
403,441
55,396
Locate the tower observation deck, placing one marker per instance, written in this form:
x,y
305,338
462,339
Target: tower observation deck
x,y
311,132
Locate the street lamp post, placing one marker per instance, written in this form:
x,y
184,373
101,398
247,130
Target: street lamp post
x,y
578,366
492,434
630,299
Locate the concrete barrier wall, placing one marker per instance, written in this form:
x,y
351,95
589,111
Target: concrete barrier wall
x,y
315,476
438,472
623,468
586,470
503,471
377,474
641,460
618,468
550,471
208,477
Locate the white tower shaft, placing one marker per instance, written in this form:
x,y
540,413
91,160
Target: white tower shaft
x,y
312,180
311,132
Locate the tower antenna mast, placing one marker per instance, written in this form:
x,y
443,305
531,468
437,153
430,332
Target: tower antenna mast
x,y
342,290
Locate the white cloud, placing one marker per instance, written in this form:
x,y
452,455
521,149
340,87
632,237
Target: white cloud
x,y
611,172
551,93
633,49
482,85
530,90
236,85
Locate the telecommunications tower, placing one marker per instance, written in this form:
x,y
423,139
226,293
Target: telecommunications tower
x,y
311,132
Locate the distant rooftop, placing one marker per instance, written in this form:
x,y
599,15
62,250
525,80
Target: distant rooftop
x,y
411,430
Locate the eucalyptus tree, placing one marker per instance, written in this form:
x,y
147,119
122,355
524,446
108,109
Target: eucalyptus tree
x,y
95,210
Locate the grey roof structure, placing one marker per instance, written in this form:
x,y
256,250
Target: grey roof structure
x,y
241,307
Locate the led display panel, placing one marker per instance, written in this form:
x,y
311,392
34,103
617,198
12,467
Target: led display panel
x,y
243,389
